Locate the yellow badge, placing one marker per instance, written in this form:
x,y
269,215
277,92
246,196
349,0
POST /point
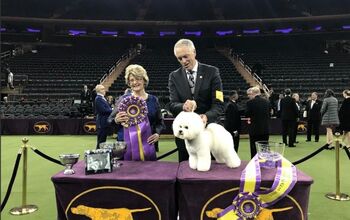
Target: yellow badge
x,y
219,95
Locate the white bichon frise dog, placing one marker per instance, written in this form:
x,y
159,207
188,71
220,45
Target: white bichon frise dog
x,y
200,141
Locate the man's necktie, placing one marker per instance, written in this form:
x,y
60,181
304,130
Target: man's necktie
x,y
191,81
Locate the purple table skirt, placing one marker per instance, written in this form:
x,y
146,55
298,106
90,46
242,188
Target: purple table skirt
x,y
199,192
146,190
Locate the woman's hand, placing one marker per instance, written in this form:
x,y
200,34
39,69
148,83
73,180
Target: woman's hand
x,y
153,138
121,118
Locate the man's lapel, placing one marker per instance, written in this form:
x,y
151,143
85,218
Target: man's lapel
x,y
199,79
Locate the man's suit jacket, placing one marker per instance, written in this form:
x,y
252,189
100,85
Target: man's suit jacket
x,y
289,109
85,96
258,110
314,113
208,81
232,117
103,110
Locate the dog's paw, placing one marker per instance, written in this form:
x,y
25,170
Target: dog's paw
x,y
193,165
203,166
233,163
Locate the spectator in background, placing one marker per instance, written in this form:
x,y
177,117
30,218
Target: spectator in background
x,y
233,118
344,117
278,105
103,110
136,77
296,97
111,101
85,95
313,115
273,97
289,115
329,112
10,79
250,93
258,112
194,87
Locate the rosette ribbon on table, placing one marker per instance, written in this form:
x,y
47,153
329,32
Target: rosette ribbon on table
x,y
137,129
251,201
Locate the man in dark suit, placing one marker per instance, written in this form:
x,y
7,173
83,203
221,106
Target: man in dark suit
x,y
233,118
258,112
313,115
289,115
85,95
194,87
103,110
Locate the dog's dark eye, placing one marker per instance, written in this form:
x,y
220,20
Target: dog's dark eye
x,y
180,126
186,127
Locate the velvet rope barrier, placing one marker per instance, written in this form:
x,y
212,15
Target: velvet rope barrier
x,y
167,154
46,156
13,177
325,147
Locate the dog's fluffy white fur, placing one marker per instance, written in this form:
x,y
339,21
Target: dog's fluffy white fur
x,y
200,141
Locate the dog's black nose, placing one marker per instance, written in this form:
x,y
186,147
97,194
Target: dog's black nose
x,y
181,132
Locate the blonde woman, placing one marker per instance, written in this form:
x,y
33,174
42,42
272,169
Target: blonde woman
x,y
137,79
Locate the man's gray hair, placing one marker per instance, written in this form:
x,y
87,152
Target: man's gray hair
x,y
186,43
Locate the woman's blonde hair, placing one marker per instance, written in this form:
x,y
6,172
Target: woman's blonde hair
x,y
137,71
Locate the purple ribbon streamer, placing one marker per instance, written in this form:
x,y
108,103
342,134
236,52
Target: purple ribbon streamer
x,y
131,139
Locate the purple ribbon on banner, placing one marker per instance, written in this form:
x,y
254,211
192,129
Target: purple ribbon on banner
x,y
138,129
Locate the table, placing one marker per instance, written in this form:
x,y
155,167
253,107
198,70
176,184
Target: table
x,y
199,192
141,190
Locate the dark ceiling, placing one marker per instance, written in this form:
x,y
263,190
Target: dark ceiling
x,y
172,10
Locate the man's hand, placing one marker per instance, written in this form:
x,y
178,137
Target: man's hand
x,y
189,106
153,138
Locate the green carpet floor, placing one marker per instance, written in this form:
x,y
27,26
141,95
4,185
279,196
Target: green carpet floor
x,y
41,191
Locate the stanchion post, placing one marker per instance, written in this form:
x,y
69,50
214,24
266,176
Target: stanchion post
x,y
24,209
337,195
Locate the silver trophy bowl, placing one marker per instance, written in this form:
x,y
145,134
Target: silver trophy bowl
x,y
68,160
118,150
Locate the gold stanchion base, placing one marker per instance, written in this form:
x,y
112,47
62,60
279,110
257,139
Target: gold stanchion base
x,y
340,197
23,210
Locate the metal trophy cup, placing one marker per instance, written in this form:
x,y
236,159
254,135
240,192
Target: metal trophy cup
x,y
69,160
118,150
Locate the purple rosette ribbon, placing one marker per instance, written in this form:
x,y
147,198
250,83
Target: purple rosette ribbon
x,y
137,129
251,198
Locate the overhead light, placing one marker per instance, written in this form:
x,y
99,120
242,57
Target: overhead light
x,y
164,33
194,33
252,31
76,32
136,33
110,33
33,30
223,33
284,30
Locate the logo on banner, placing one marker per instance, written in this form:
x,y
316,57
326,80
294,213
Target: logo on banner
x,y
89,205
90,127
301,127
42,127
211,209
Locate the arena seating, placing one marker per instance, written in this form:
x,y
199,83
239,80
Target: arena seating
x,y
63,70
302,70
